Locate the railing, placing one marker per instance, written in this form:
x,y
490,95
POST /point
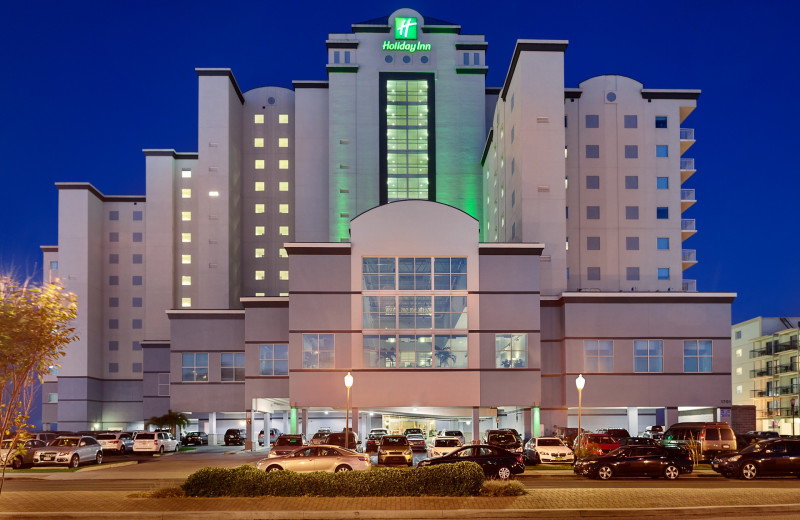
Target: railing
x,y
688,224
689,286
689,255
687,134
777,412
774,370
687,163
687,194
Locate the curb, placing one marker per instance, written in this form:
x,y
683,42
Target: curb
x,y
98,467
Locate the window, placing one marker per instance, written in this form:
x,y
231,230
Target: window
x,y
593,243
258,119
592,212
283,119
283,208
592,273
663,273
632,273
113,324
186,259
259,186
136,280
259,252
632,243
378,273
592,182
259,208
138,258
186,280
648,355
113,215
450,274
631,121
258,142
54,265
136,324
283,164
513,196
113,258
137,237
186,193
631,182
194,366
450,312
511,350
466,58
631,212
137,215
697,355
136,345
186,302
137,368
186,174
113,302
232,366
260,275
260,230
661,121
113,236
283,275
598,355
415,351
592,121
414,274
336,56
476,58
283,230
380,351
662,183
282,253
662,243
737,334
113,280
259,164
52,397
273,360
283,142
318,351
450,351
136,302
662,212
113,345
282,186
592,151
213,194
631,151
662,150
113,368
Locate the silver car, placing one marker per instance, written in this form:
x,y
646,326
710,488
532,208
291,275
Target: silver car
x,y
71,450
20,456
324,457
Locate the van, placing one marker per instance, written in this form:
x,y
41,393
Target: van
x,y
708,438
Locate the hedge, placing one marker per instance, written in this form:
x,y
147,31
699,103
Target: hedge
x,y
459,479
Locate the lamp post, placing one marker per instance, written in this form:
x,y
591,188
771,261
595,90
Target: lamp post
x,y
348,382
792,403
579,383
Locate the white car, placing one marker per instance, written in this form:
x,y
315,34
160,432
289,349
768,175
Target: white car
x,y
458,434
119,442
333,459
443,445
548,450
155,442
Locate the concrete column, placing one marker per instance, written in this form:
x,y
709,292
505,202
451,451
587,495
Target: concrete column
x,y
672,416
285,428
293,420
354,418
476,425
212,428
248,442
633,421
304,421
267,424
527,424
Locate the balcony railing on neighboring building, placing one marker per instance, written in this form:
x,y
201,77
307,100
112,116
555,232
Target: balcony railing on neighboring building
x,y
777,412
689,285
688,194
689,255
687,163
688,224
770,349
687,134
786,368
775,391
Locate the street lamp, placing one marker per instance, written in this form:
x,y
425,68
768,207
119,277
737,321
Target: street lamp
x,y
579,384
348,382
792,402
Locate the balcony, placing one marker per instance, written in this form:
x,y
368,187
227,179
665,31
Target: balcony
x,y
687,168
688,258
786,368
688,228
687,199
687,139
772,350
775,391
689,285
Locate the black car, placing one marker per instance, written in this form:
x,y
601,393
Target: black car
x,y
495,462
196,438
637,461
234,436
505,439
638,441
338,439
769,457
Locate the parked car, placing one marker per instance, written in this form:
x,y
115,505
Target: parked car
x,y
338,439
767,457
416,441
379,431
495,462
395,449
196,438
637,461
409,431
505,439
548,450
45,437
155,442
638,441
373,440
286,444
71,450
595,444
441,446
453,433
317,458
567,435
235,437
655,431
117,442
19,454
274,433
753,437
319,438
615,433
708,439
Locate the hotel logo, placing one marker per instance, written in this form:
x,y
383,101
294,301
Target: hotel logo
x,y
405,28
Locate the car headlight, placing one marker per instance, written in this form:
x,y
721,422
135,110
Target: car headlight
x,y
731,459
62,453
408,452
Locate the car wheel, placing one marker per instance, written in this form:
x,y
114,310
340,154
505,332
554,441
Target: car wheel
x,y
74,462
671,472
504,473
99,457
343,468
749,471
177,447
161,450
605,473
274,468
17,463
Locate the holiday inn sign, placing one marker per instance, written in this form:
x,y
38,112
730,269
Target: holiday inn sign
x,y
405,28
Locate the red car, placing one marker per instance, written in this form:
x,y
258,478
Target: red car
x,y
596,444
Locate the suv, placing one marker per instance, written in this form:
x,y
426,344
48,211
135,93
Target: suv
x,y
286,444
235,436
274,433
505,439
707,438
654,432
615,433
395,449
155,442
119,442
418,431
337,439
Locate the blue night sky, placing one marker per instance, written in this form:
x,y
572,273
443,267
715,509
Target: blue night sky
x,y
87,85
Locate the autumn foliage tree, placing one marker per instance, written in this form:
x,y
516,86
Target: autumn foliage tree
x,y
35,328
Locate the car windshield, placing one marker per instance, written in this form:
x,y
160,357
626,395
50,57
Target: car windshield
x,y
453,433
447,443
618,451
502,438
394,441
549,442
68,441
320,435
288,441
755,448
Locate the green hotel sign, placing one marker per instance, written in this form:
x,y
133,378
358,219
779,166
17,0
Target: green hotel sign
x,y
405,28
406,46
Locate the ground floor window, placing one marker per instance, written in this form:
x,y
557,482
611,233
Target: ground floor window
x,y
318,351
415,351
511,350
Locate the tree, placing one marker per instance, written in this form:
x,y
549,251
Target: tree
x,y
175,421
35,328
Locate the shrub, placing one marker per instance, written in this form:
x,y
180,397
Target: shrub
x,y
499,488
459,479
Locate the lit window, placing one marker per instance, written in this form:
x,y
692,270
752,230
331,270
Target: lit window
x,y
283,208
186,302
259,208
738,371
283,142
283,230
282,253
259,252
186,174
186,280
186,216
511,350
283,119
283,164
259,275
261,294
258,119
259,186
259,230
186,259
258,142
284,275
283,294
213,194
186,193
186,237
259,164
283,186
